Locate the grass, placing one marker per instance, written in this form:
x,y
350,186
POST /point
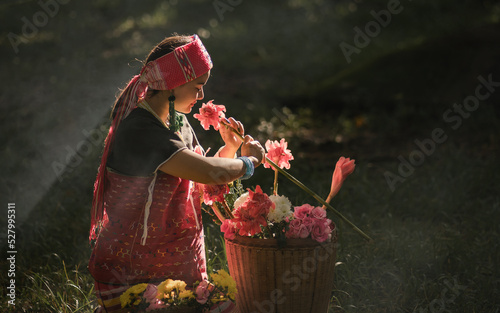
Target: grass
x,y
436,235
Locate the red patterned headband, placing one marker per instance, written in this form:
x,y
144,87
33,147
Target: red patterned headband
x,y
176,68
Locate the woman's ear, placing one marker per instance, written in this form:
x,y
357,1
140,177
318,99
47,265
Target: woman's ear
x,y
151,93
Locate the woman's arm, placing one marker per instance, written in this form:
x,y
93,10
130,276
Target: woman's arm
x,y
187,164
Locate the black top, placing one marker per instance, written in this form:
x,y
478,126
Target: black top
x,y
142,143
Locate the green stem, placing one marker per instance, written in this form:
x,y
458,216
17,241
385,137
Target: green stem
x,y
275,182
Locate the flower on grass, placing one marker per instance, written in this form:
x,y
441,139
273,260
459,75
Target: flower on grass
x,y
172,294
202,292
210,115
224,281
186,294
278,153
132,295
151,293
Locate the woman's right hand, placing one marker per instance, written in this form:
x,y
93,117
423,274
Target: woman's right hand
x,y
252,149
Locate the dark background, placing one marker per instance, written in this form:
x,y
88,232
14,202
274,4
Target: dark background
x,y
279,68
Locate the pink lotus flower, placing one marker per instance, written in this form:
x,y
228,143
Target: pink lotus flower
x,y
210,115
202,292
212,193
343,168
278,153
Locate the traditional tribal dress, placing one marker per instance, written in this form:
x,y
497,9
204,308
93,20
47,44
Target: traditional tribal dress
x,y
172,244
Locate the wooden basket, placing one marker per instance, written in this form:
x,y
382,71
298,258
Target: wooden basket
x,y
296,278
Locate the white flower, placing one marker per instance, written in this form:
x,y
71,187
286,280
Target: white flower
x,y
282,210
240,200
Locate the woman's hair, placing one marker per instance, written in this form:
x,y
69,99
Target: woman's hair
x,y
166,46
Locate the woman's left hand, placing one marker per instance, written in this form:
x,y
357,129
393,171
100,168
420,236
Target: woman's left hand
x,y
232,141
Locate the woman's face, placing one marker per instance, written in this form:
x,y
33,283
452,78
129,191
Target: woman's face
x,y
188,94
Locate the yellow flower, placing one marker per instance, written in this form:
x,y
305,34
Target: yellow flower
x,y
179,285
131,293
164,288
125,299
224,280
138,288
186,294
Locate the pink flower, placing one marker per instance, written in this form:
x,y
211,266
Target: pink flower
x,y
156,305
278,153
294,227
303,211
318,212
252,214
321,231
298,229
229,230
214,193
202,292
210,115
308,222
343,168
150,293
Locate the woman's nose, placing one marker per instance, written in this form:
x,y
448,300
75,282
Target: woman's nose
x,y
200,95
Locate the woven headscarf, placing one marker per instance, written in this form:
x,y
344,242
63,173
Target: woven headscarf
x,y
172,70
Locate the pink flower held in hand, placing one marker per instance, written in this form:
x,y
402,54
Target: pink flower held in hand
x,y
210,115
278,153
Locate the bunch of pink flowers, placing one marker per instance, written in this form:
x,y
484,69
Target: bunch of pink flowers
x,y
251,213
249,216
310,221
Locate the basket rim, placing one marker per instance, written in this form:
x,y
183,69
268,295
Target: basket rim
x,y
272,243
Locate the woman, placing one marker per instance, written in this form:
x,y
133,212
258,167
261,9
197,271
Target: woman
x,y
146,218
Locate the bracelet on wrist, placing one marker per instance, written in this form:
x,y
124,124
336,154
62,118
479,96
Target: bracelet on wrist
x,y
249,167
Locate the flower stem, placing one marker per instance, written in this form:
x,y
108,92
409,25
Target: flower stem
x,y
275,182
218,213
228,210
